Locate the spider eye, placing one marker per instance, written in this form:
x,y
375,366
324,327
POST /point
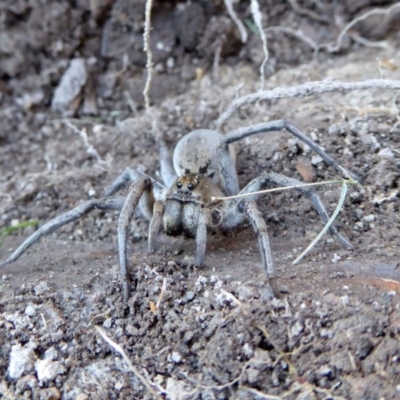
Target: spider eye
x,y
190,186
179,185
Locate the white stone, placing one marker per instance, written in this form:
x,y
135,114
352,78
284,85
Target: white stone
x,y
21,361
47,370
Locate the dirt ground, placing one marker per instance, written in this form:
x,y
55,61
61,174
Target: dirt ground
x,y
210,335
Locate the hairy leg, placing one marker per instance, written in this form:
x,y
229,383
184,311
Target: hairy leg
x,y
229,178
260,227
111,203
155,225
201,235
130,175
273,179
141,185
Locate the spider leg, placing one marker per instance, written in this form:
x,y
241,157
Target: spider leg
x,y
227,168
275,179
260,227
142,185
201,235
111,203
155,225
131,175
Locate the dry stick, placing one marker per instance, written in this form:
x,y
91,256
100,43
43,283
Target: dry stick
x,y
327,225
344,31
242,29
120,350
257,17
238,196
306,89
89,147
147,49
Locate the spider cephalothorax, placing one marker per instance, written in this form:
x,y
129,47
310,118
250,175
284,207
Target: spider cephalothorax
x,y
204,167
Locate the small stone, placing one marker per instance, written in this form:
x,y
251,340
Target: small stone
x,y
25,383
359,213
51,393
107,323
386,153
189,296
316,159
30,311
51,354
82,396
327,334
21,361
176,357
48,370
41,288
369,218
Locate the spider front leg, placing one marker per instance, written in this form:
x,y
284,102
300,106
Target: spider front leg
x,y
112,203
142,186
260,227
201,235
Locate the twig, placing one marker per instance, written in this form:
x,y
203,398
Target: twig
x,y
327,226
147,49
336,47
242,29
89,147
306,89
120,350
237,196
257,17
163,289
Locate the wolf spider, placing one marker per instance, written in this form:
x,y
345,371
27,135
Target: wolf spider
x,y
203,167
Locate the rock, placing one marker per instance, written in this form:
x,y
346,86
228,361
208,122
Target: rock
x,y
70,87
51,393
30,311
82,396
41,288
27,382
51,354
47,370
176,357
316,160
21,361
369,218
386,153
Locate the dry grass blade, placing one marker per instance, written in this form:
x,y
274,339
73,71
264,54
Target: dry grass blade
x,y
327,226
120,350
238,196
303,90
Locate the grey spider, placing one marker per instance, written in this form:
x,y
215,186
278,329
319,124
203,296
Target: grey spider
x,y
203,167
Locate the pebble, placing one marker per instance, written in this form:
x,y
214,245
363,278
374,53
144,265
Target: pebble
x,y
41,288
30,311
176,357
189,296
21,361
48,370
316,160
369,218
107,323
